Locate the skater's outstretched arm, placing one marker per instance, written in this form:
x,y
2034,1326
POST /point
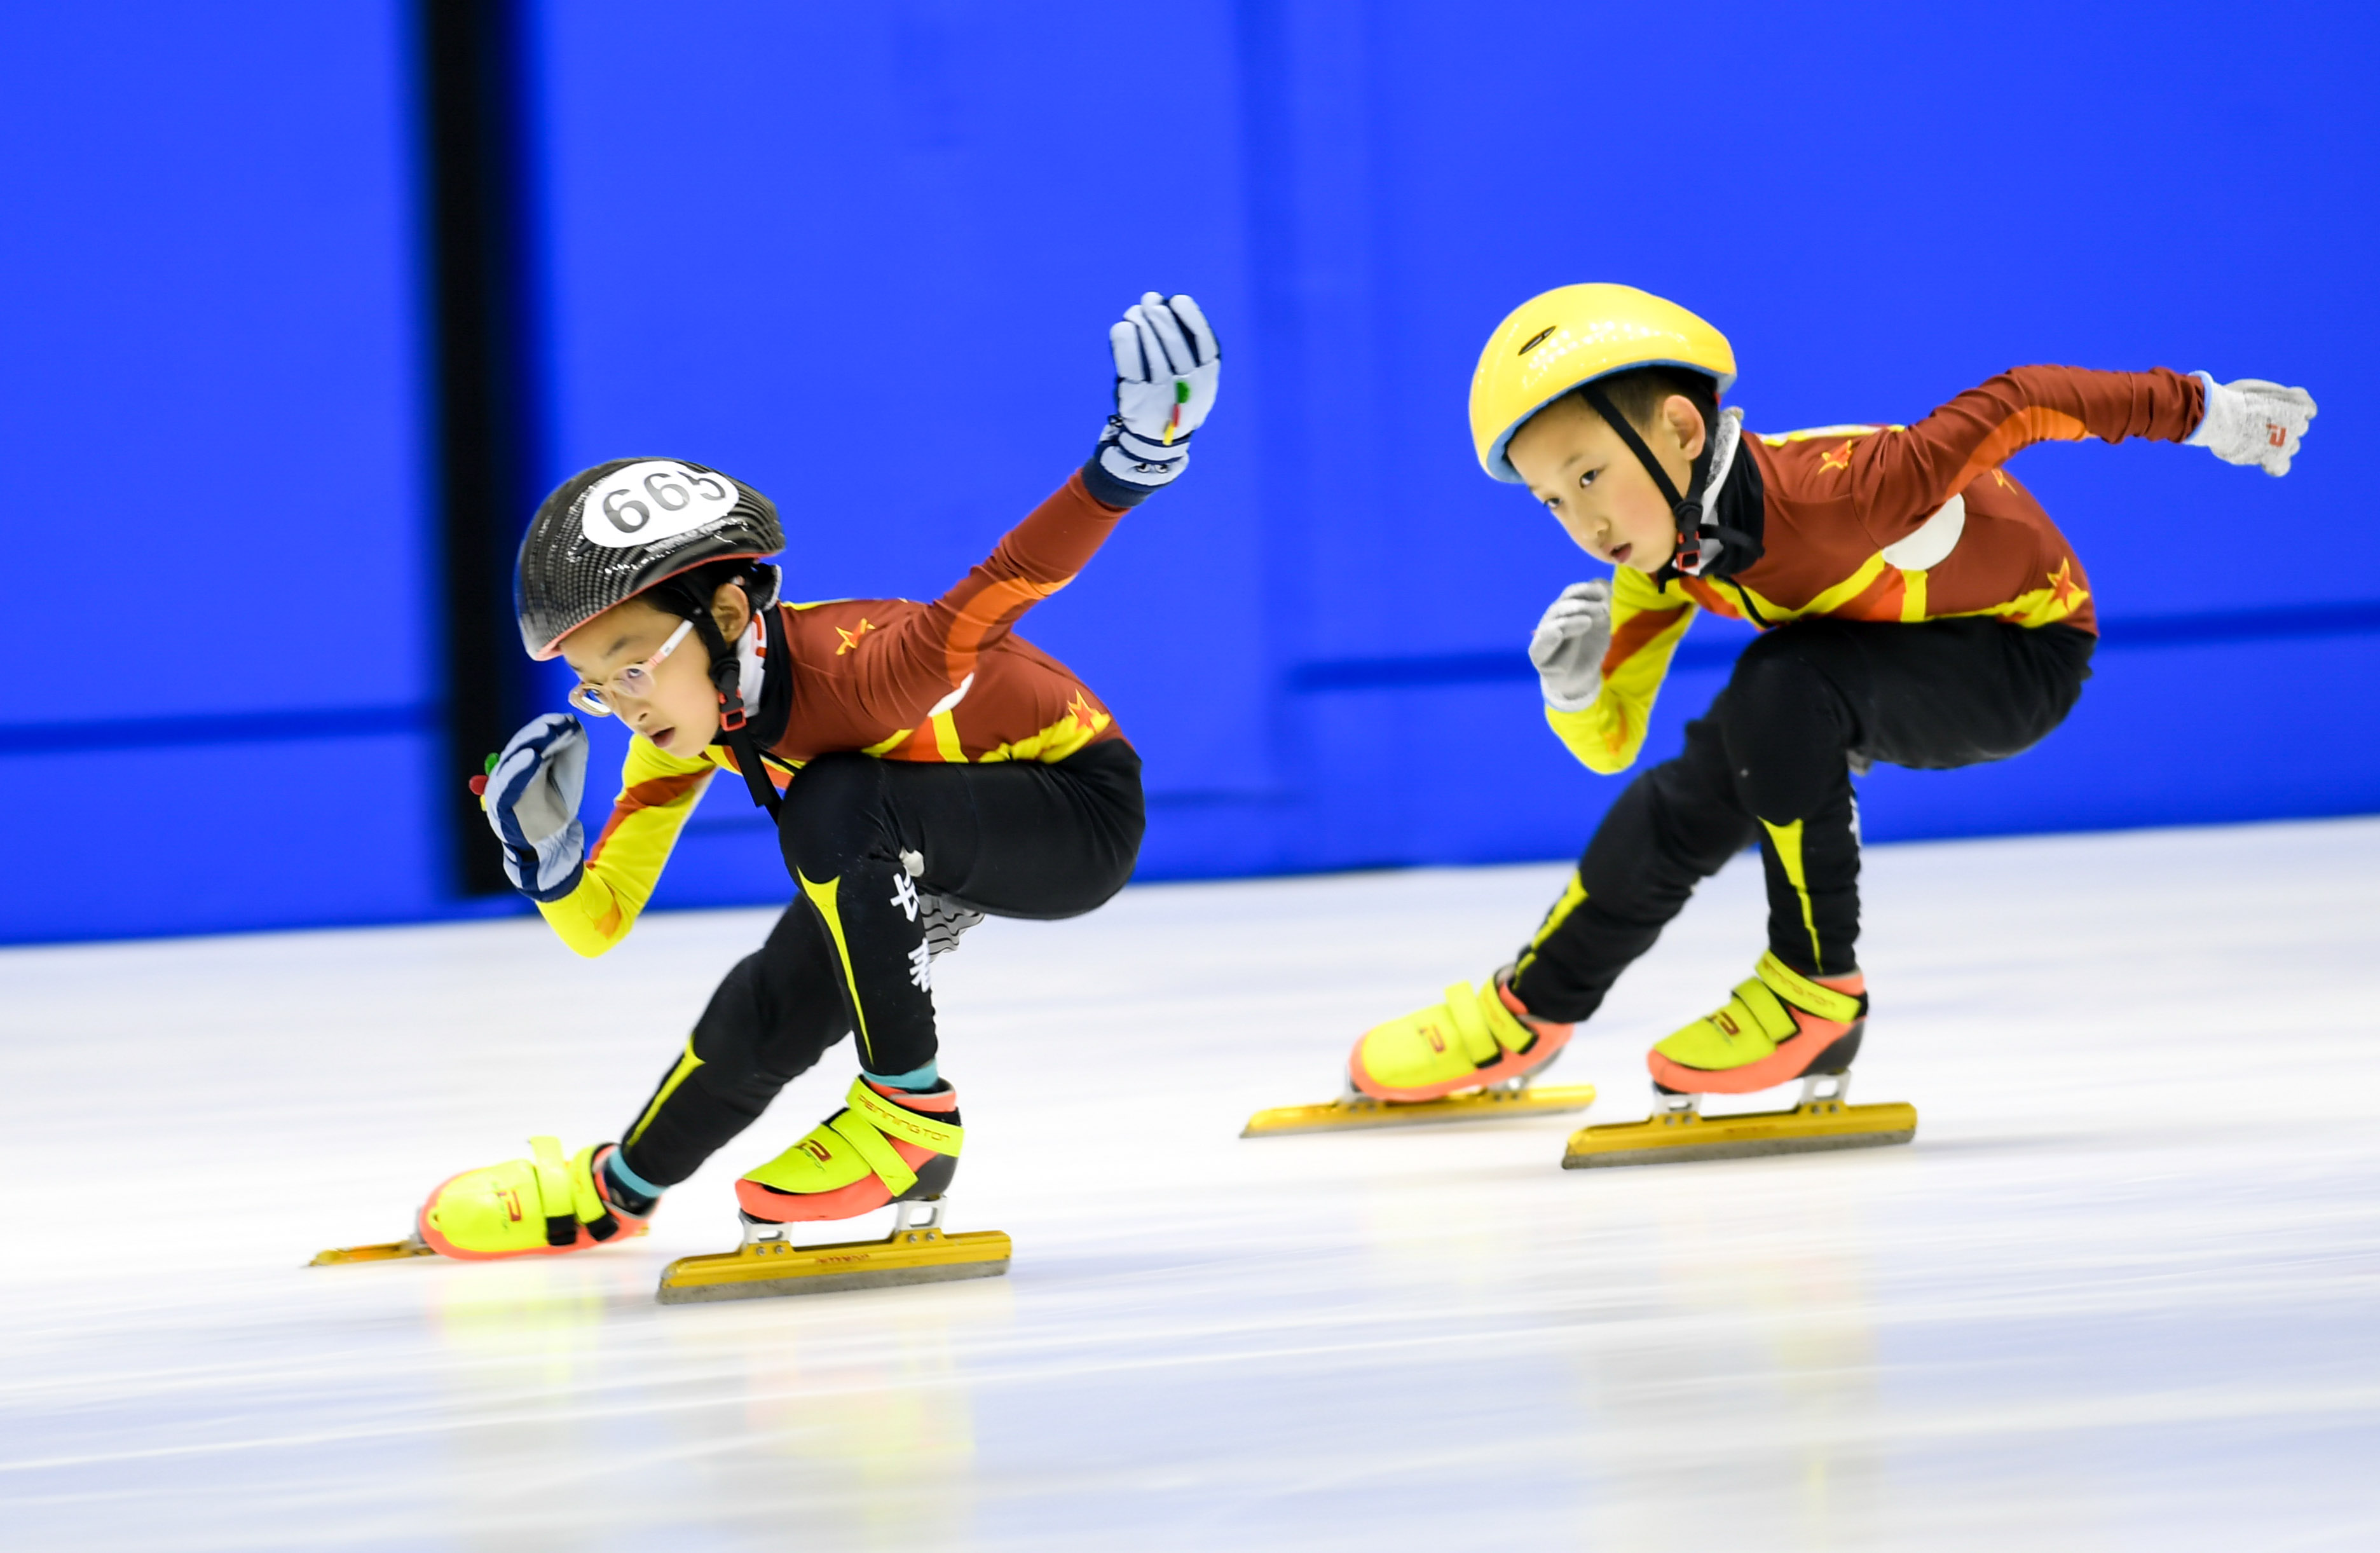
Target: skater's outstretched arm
x,y
1167,367
658,792
904,672
1899,477
1604,726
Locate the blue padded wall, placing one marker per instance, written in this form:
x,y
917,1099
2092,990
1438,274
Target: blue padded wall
x,y
225,696
864,257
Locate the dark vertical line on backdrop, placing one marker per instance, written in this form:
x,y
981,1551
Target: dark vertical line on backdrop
x,y
1268,169
477,217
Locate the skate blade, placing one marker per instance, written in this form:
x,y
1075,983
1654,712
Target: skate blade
x,y
765,1268
1480,1105
386,1251
411,1245
1679,1136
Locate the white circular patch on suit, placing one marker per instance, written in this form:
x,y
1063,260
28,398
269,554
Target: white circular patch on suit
x,y
1931,542
652,499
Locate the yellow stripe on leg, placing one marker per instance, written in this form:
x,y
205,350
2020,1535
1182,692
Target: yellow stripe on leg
x,y
1787,839
679,1074
822,896
1574,895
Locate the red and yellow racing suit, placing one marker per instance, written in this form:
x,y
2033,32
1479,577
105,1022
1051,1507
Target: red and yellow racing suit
x,y
1889,523
946,680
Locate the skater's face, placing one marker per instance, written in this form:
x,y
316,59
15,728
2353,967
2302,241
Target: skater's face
x,y
1591,481
680,714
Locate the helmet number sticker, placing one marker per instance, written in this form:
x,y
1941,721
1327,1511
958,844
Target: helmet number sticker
x,y
652,499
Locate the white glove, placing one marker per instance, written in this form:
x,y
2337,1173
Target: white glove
x,y
1167,364
533,799
1569,644
2253,421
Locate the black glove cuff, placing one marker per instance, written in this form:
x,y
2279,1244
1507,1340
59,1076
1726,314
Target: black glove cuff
x,y
1108,491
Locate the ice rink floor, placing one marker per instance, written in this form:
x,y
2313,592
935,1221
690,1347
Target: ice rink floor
x,y
2122,1294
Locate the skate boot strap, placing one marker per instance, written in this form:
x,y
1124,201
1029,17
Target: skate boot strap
x,y
1776,984
1483,1025
569,1185
870,1123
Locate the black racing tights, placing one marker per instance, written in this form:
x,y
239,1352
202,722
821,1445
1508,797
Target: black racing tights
x,y
1010,839
1769,763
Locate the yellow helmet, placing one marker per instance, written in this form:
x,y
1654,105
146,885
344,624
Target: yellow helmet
x,y
1573,335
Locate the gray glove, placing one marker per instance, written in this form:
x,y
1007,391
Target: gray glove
x,y
1569,644
533,802
1167,370
2253,421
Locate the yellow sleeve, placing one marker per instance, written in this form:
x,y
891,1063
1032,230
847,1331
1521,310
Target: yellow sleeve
x,y
1646,625
658,790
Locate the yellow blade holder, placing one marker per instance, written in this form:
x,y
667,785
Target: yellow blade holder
x,y
411,1245
1678,1132
386,1251
768,1264
1356,1113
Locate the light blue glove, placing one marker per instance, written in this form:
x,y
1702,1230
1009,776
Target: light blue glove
x,y
1167,366
532,803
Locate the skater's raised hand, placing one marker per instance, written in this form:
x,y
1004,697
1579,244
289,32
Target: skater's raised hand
x,y
1569,644
2253,421
533,805
1167,365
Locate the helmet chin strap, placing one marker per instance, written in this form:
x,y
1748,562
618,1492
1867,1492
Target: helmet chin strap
x,y
727,678
1686,556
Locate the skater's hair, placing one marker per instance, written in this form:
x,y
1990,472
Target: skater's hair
x,y
1638,394
688,594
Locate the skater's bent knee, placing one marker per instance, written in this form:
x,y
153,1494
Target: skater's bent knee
x,y
831,814
1786,723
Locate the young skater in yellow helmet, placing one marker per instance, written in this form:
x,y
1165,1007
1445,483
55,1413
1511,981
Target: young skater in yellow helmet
x,y
925,765
1915,605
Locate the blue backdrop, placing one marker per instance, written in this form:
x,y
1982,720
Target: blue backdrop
x,y
220,708
865,257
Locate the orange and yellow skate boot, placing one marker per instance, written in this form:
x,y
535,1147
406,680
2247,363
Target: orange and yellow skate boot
x,y
539,1207
885,1146
1779,1026
1470,1040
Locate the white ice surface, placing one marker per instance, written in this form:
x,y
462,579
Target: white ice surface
x,y
2123,1292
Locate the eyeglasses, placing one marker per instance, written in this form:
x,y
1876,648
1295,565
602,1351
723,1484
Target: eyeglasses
x,y
634,683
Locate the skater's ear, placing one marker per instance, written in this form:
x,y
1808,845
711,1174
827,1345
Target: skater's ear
x,y
1681,418
730,610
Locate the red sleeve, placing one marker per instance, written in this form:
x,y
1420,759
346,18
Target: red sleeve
x,y
931,652
1899,478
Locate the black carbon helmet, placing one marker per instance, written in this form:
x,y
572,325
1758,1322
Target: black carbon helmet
x,y
609,533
